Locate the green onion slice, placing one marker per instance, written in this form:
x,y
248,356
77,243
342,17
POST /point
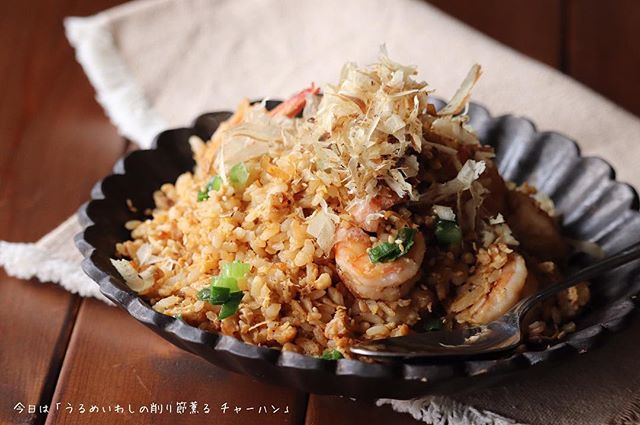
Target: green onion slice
x,y
406,235
219,295
238,175
224,289
203,195
332,355
448,232
214,183
236,269
230,307
384,252
387,251
225,282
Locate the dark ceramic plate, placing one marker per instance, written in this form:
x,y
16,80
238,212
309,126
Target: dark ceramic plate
x,y
594,206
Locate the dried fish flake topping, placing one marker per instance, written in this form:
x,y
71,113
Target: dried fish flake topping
x,y
368,126
361,135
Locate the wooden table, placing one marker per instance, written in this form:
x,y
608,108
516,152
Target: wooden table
x,y
77,355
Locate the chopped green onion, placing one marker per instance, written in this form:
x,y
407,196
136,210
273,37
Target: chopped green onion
x,y
384,252
238,175
406,235
214,183
224,289
230,307
178,316
236,270
225,282
448,232
387,251
204,294
219,295
332,355
203,195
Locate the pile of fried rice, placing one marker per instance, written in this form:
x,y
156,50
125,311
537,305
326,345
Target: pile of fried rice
x,y
345,214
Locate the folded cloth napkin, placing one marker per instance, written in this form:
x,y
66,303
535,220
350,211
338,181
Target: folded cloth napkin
x,y
157,64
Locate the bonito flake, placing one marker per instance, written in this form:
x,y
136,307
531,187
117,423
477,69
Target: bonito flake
x,y
368,124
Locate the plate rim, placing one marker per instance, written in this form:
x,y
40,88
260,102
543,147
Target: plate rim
x,y
222,346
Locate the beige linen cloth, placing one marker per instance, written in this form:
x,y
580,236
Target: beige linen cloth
x,y
157,64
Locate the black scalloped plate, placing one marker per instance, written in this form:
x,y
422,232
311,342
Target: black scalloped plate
x,y
595,207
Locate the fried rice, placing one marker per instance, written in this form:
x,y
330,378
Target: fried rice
x,y
352,213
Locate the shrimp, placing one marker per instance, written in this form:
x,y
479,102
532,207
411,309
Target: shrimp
x,y
536,230
206,157
292,106
490,293
376,281
368,214
495,200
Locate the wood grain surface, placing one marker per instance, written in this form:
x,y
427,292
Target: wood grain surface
x,y
35,323
112,359
603,51
56,143
532,27
590,40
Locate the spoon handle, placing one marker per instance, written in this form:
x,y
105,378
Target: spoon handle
x,y
622,257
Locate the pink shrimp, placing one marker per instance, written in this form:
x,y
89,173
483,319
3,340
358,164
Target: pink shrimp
x,y
376,281
368,214
292,106
490,293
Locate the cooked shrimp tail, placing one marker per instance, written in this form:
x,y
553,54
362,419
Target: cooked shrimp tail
x,y
295,104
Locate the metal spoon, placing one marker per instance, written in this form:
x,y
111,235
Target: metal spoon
x,y
502,334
